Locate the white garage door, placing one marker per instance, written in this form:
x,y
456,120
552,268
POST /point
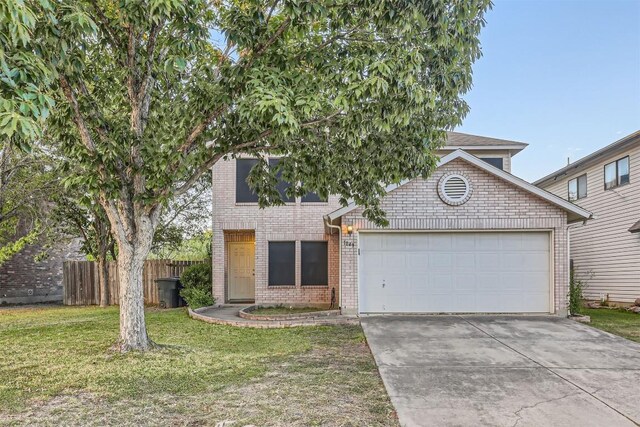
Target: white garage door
x,y
494,272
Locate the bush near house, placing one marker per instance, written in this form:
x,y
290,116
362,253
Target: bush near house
x,y
576,297
196,282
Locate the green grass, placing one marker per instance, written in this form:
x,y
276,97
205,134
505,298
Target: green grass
x,y
619,322
56,368
266,311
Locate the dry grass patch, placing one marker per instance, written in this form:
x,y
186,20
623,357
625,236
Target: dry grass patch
x,y
56,371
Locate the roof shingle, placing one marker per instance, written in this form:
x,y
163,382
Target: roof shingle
x,y
458,139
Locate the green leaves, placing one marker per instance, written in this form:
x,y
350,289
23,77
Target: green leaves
x,y
354,94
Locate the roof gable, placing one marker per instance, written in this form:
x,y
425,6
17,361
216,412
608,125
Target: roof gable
x,y
575,213
591,159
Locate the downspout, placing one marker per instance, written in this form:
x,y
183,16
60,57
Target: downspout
x,y
328,224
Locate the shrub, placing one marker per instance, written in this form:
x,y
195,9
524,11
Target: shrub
x,y
576,289
196,282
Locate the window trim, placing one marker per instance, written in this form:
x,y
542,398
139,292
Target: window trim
x,y
326,245
577,180
617,183
294,261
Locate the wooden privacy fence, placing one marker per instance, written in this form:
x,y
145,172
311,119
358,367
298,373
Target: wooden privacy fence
x,y
81,286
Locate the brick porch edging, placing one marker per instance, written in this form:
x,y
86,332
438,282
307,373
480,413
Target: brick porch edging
x,y
228,320
246,313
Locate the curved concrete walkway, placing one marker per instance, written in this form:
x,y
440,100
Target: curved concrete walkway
x,y
228,315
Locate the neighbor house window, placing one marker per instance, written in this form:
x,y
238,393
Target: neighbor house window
x,y
282,185
244,193
616,173
282,263
578,187
494,161
314,263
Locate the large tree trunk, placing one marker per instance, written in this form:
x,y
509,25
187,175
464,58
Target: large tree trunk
x,y
134,245
133,330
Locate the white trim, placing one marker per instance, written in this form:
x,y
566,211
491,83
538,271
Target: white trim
x,y
581,213
483,147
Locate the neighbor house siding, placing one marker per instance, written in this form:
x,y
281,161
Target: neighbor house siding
x,y
605,254
494,205
291,222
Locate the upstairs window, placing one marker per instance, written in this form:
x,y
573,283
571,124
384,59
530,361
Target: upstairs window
x,y
616,173
244,193
578,188
312,197
494,161
282,184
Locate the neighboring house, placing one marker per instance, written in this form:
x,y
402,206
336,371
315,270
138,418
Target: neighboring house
x,y
605,251
34,275
471,238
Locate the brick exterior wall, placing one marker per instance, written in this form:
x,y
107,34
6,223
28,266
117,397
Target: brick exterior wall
x,y
494,205
292,222
25,280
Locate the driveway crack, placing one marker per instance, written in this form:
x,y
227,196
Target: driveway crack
x,y
550,370
517,413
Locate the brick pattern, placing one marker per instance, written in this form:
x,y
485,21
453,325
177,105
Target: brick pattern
x,y
27,280
292,222
495,205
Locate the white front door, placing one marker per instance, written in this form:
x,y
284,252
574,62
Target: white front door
x,y
241,279
461,272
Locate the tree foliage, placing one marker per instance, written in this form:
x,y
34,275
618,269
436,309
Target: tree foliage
x,y
26,181
150,94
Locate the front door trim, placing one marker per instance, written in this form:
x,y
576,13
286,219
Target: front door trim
x,y
241,272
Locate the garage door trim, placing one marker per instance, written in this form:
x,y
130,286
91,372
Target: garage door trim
x,y
550,232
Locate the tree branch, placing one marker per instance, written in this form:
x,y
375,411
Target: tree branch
x,y
105,25
85,136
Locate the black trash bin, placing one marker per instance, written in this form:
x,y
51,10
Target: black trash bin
x,y
169,292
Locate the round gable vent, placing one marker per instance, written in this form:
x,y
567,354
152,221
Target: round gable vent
x,y
454,189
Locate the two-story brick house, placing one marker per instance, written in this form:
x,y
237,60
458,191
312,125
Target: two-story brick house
x,y
470,238
606,250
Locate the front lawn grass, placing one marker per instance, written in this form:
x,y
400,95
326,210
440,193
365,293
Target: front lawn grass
x,y
267,311
56,369
619,322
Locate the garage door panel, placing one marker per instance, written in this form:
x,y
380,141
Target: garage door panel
x,y
465,261
464,282
489,261
394,261
455,272
416,262
464,242
440,241
488,242
440,260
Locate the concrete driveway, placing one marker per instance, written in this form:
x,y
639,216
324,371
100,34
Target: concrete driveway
x,y
505,371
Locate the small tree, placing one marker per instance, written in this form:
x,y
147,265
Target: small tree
x,y
78,215
151,94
